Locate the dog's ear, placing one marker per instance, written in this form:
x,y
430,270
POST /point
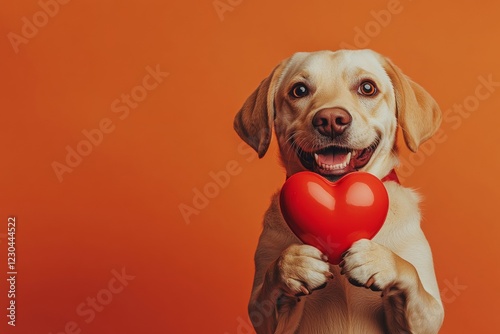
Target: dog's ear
x,y
254,121
418,113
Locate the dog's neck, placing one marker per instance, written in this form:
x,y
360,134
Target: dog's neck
x,y
392,176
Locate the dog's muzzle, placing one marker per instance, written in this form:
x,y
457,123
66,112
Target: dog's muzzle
x,y
335,161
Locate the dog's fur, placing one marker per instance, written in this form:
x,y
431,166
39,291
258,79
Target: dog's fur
x,y
398,260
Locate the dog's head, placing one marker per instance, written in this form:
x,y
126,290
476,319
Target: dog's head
x,y
337,112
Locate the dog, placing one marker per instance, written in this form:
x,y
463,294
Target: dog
x,y
334,113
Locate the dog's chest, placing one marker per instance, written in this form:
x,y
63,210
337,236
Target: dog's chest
x,y
342,308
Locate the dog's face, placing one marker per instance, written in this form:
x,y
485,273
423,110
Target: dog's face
x,y
337,112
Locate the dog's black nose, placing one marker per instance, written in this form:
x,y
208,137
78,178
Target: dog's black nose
x,y
332,122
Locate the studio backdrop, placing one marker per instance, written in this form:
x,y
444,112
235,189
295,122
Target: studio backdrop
x,y
128,204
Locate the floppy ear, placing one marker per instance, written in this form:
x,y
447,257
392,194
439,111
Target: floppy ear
x,y
418,113
254,121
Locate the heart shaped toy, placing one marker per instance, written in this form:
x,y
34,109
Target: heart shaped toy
x,y
331,216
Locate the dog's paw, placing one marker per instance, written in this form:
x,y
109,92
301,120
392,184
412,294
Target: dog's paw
x,y
370,265
302,269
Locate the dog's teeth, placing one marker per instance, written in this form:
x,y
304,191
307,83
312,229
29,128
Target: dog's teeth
x,y
333,167
329,167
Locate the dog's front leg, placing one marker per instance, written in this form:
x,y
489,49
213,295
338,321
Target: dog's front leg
x,y
270,310
285,271
408,307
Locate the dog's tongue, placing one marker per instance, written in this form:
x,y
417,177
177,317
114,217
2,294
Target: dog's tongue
x,y
331,158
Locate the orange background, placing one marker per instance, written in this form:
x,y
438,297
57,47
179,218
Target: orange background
x,y
119,208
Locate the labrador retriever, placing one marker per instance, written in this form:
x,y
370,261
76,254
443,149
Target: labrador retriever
x,y
334,113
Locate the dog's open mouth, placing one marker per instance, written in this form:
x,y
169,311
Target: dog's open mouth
x,y
335,161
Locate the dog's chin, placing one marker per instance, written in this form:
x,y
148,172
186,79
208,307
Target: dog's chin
x,y
333,162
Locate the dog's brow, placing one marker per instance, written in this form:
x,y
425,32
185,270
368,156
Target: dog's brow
x,y
299,77
303,75
361,72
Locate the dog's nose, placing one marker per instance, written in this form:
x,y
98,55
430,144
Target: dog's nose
x,y
331,122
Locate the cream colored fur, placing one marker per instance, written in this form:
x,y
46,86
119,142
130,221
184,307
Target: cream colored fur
x,y
397,263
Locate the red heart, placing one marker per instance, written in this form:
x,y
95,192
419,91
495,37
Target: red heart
x,y
333,215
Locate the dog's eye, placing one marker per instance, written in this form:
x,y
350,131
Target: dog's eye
x,y
299,90
367,88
